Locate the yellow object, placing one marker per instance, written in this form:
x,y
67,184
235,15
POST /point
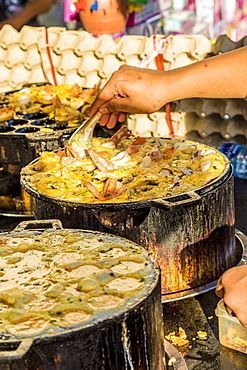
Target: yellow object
x,y
178,340
202,335
135,8
137,169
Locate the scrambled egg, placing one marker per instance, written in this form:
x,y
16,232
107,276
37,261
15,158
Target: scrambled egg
x,y
129,170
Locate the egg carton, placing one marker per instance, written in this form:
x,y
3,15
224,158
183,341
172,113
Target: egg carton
x,y
155,124
223,44
60,56
207,116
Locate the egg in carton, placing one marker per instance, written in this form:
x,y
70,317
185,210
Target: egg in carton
x,y
236,107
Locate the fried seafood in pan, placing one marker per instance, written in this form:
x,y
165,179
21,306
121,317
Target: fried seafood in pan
x,y
63,103
125,169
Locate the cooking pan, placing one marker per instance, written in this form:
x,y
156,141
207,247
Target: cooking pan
x,y
130,339
192,235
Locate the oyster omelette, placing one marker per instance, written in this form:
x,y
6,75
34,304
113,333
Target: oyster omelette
x,y
124,169
60,279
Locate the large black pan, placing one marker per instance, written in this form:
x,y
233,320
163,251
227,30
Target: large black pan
x,y
191,235
129,340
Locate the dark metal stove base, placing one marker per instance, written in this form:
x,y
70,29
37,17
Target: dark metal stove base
x,y
241,245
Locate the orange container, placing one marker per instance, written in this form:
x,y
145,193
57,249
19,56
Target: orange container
x,y
103,16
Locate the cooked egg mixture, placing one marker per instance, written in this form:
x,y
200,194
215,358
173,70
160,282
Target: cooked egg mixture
x,y
56,280
60,103
131,170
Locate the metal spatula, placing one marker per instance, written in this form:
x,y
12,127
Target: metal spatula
x,y
81,139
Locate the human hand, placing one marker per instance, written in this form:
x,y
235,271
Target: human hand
x,y
129,90
232,287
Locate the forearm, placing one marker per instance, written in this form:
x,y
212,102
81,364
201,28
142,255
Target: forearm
x,y
18,20
141,90
223,76
32,9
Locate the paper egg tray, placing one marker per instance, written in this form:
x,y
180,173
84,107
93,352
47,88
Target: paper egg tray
x,y
61,56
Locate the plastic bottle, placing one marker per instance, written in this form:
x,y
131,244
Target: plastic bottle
x,y
238,155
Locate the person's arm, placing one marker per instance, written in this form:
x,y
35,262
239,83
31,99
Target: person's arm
x,y
232,287
146,91
30,11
